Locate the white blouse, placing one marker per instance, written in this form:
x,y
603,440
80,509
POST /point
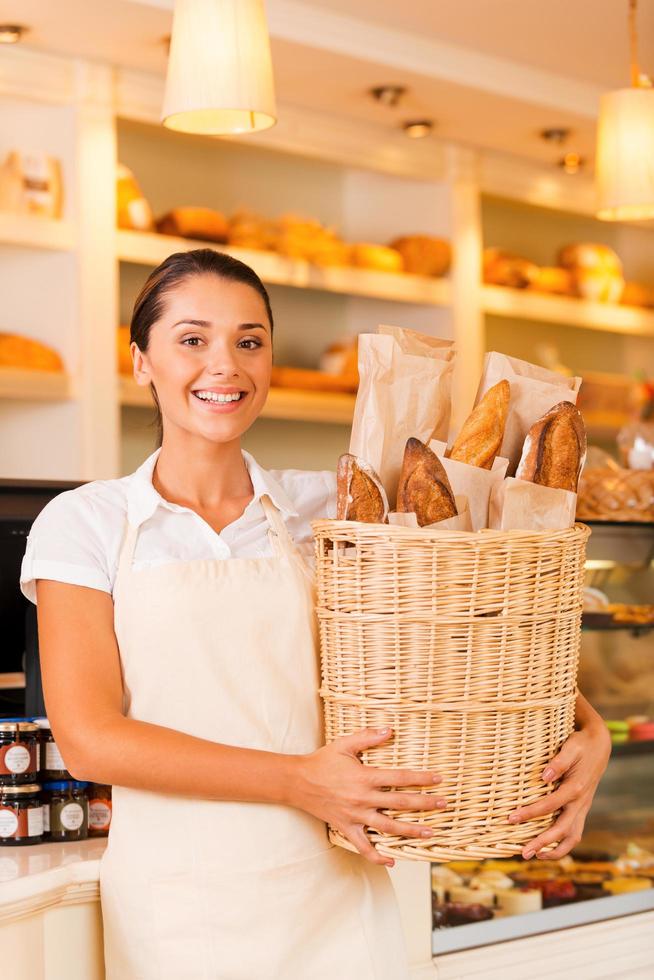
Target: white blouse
x,y
77,537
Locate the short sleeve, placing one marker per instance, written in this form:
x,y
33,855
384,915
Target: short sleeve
x,y
66,544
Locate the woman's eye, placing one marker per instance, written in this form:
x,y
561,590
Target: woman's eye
x,y
250,343
191,341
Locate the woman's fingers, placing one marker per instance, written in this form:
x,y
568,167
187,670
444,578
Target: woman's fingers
x,y
565,759
409,802
568,791
396,828
362,740
403,777
557,832
357,836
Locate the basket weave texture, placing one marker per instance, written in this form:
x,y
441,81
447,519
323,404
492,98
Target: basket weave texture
x,y
467,645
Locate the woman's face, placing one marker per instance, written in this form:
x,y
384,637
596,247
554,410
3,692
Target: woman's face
x,y
209,357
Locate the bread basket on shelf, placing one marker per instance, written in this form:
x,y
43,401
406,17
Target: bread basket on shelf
x,y
467,645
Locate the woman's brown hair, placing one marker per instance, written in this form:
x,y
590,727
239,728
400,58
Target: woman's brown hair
x,y
177,268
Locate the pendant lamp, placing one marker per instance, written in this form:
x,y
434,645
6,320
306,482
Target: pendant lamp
x,y
220,79
625,145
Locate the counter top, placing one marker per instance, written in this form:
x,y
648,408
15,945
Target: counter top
x,y
34,878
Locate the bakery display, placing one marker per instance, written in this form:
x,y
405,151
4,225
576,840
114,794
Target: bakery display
x,y
502,268
424,489
133,211
612,493
309,380
555,449
458,914
423,255
360,494
554,280
25,353
303,238
378,257
637,294
481,437
596,271
204,224
246,229
30,183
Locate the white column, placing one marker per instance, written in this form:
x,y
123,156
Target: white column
x,y
412,883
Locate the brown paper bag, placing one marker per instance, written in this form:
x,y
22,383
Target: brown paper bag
x,y
404,390
460,522
472,481
534,390
517,505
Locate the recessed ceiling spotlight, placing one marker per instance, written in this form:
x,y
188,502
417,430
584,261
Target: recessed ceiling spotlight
x,y
555,134
417,129
11,33
388,95
571,163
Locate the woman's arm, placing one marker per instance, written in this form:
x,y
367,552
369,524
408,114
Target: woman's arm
x,y
579,765
81,667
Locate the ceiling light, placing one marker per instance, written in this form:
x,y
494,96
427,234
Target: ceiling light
x,y
572,163
11,33
388,95
219,79
625,145
417,129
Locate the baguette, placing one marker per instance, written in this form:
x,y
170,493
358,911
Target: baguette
x,y
555,449
481,437
424,489
360,494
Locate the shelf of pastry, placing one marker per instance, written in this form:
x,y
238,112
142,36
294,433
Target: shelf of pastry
x,y
32,231
282,403
26,385
146,248
528,305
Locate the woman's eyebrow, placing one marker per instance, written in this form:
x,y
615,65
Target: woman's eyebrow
x,y
192,323
251,326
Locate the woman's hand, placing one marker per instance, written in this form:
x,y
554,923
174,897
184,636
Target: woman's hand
x,y
336,787
579,765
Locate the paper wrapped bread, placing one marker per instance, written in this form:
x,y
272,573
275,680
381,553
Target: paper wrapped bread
x,y
481,437
360,494
555,449
27,354
424,489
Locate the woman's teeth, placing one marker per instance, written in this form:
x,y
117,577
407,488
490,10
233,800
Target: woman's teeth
x,y
214,396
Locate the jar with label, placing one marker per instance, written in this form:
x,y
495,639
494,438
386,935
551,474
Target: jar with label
x,y
99,810
21,815
52,767
66,810
18,752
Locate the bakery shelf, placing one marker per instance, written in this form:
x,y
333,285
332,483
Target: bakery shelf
x,y
525,305
34,385
30,231
644,747
145,248
283,403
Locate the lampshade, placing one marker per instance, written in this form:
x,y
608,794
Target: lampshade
x,y
625,155
220,77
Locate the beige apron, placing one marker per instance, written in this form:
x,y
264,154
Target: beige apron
x,y
196,889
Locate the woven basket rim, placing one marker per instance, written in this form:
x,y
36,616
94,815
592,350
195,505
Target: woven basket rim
x,y
486,535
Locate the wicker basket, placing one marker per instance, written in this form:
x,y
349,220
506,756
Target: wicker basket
x,y
467,645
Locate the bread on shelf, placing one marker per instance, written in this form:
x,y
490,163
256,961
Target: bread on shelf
x,y
596,271
204,224
132,208
502,268
378,257
26,354
423,255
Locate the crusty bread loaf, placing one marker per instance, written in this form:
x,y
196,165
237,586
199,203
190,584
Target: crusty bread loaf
x,y
480,439
423,255
555,449
378,257
26,354
360,494
552,279
424,489
204,224
501,268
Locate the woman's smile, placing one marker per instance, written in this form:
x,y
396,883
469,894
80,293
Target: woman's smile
x,y
223,400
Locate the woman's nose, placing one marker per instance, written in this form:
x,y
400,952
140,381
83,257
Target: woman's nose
x,y
222,361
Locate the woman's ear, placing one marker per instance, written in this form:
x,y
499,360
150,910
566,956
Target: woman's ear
x,y
142,374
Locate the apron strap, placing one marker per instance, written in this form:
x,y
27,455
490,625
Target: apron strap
x,y
282,541
127,548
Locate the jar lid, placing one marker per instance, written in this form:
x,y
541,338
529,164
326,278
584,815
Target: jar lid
x,y
41,723
17,726
25,788
59,784
79,784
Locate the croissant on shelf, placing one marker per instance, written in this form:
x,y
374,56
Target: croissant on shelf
x,y
26,354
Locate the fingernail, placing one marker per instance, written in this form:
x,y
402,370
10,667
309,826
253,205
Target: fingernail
x,y
425,833
513,818
441,803
548,774
529,853
436,778
383,731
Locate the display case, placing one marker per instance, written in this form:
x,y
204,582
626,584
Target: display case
x,y
610,874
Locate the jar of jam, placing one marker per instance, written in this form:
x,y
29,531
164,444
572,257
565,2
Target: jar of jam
x,y
19,761
21,815
99,810
52,766
67,810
